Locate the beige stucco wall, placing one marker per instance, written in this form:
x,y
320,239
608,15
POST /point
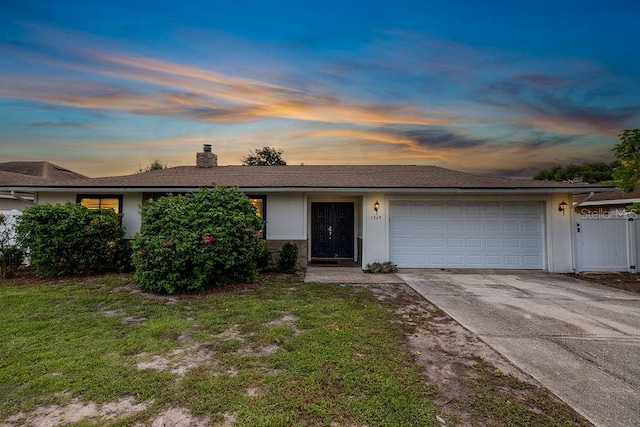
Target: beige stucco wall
x,y
559,235
375,230
131,221
286,216
8,204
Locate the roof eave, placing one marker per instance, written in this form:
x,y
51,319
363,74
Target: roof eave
x,y
430,190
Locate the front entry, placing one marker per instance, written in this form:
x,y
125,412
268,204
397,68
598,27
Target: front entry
x,y
332,230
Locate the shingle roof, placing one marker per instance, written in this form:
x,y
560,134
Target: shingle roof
x,y
615,195
10,178
25,172
308,176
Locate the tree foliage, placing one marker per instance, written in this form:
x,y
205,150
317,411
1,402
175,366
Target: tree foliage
x,y
154,166
195,240
72,239
588,172
627,151
265,156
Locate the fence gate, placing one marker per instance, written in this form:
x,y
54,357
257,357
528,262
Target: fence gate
x,y
607,243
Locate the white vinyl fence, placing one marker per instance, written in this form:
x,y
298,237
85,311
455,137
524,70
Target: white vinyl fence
x,y
10,223
607,242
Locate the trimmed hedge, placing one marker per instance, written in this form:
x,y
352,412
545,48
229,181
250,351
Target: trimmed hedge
x,y
71,239
196,240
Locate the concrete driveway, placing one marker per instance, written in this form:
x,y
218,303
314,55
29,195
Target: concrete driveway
x,y
580,340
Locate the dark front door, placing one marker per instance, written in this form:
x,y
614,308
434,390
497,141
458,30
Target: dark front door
x,y
332,230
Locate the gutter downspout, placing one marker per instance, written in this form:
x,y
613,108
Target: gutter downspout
x,y
586,199
17,197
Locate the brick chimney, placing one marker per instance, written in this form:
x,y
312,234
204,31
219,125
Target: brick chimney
x,y
206,159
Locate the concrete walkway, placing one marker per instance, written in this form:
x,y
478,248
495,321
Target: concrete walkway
x,y
351,275
580,340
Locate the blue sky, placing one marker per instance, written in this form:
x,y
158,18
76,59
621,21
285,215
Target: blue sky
x,y
494,87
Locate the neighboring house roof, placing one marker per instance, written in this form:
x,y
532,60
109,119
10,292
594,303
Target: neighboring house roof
x,y
10,178
11,172
317,177
612,198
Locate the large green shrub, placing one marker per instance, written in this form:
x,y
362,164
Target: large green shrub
x,y
195,240
70,239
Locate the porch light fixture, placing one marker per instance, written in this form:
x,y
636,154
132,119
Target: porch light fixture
x,y
562,207
376,206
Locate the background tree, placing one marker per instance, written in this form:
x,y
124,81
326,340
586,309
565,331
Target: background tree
x,y
154,166
265,156
588,172
627,151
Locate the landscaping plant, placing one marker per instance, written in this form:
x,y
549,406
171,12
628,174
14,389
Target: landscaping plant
x,y
70,238
382,267
288,257
195,240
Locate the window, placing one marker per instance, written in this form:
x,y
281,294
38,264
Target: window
x,y
100,202
260,202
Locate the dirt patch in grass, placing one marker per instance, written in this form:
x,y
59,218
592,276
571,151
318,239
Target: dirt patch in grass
x,y
179,417
625,281
476,386
61,415
178,361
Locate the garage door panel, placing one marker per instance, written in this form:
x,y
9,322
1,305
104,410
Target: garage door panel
x,y
466,235
474,242
532,209
493,225
474,225
474,261
491,210
510,210
532,260
531,226
510,225
493,260
492,243
531,243
455,225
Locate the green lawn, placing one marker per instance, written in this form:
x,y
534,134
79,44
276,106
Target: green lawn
x,y
280,353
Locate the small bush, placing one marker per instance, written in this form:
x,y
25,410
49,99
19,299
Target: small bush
x,y
288,258
195,240
382,267
70,239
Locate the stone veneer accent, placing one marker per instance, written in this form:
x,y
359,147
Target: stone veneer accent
x,y
274,246
206,160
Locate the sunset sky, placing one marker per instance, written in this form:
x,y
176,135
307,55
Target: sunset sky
x,y
495,87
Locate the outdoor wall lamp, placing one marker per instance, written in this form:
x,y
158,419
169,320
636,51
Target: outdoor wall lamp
x,y
562,207
376,206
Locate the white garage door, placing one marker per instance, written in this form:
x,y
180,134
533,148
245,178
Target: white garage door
x,y
466,235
